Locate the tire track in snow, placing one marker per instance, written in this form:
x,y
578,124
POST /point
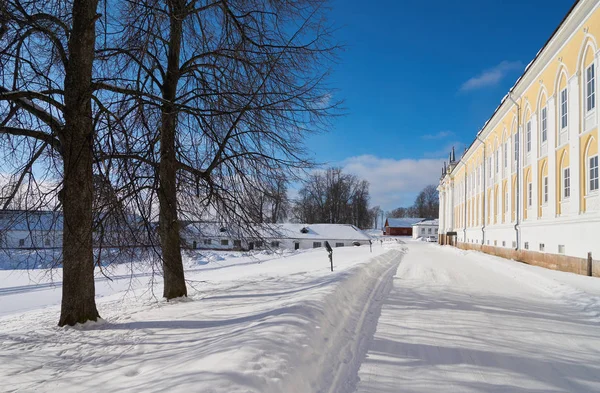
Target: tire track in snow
x,y
346,374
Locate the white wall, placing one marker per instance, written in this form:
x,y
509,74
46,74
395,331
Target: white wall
x,y
33,239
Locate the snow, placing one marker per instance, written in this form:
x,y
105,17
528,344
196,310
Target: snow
x,y
329,232
410,316
460,321
253,323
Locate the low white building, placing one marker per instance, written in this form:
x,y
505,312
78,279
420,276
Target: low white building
x,y
202,235
426,228
30,229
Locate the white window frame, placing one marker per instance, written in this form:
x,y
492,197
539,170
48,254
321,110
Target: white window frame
x,y
566,183
505,154
529,194
564,109
516,145
528,137
593,174
545,190
497,160
544,124
590,88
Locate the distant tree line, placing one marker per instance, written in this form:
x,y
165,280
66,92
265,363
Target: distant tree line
x,y
426,205
335,197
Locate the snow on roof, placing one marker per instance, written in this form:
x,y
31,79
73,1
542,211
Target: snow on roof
x,y
315,231
405,222
22,220
434,222
280,231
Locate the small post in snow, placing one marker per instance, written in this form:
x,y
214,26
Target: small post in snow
x,y
330,251
589,264
371,245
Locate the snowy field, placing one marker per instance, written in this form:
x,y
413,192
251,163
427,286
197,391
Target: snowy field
x,y
413,317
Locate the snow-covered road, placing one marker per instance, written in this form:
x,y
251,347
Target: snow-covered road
x,y
465,322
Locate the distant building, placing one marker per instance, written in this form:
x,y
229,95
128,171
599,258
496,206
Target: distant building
x,y
38,229
206,235
30,229
400,226
426,228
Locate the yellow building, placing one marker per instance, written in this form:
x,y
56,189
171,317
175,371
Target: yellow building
x,y
527,187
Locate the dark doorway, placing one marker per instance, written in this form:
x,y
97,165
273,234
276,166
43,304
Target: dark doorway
x,y
296,246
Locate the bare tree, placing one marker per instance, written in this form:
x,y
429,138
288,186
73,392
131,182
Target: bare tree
x,y
426,205
334,197
46,61
375,212
270,204
214,98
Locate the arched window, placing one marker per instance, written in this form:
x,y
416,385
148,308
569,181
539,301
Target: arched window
x,y
591,166
544,185
562,107
564,119
590,88
527,137
593,173
588,71
542,123
505,152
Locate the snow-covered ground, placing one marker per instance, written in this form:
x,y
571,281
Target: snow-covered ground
x,y
252,323
460,321
408,317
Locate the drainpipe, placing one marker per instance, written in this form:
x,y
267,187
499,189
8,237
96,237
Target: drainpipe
x,y
484,192
517,197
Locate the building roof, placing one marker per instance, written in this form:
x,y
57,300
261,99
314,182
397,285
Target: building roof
x,y
22,220
405,222
434,222
280,231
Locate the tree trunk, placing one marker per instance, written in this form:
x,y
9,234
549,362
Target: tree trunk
x,y
78,294
170,240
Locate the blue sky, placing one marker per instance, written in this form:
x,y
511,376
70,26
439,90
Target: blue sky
x,y
420,76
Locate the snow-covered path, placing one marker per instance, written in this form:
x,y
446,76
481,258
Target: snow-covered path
x,y
276,324
467,322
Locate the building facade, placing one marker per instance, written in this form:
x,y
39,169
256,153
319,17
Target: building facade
x,y
207,235
527,187
400,226
30,229
426,228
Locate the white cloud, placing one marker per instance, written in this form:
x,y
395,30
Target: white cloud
x,y
439,135
492,76
394,183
